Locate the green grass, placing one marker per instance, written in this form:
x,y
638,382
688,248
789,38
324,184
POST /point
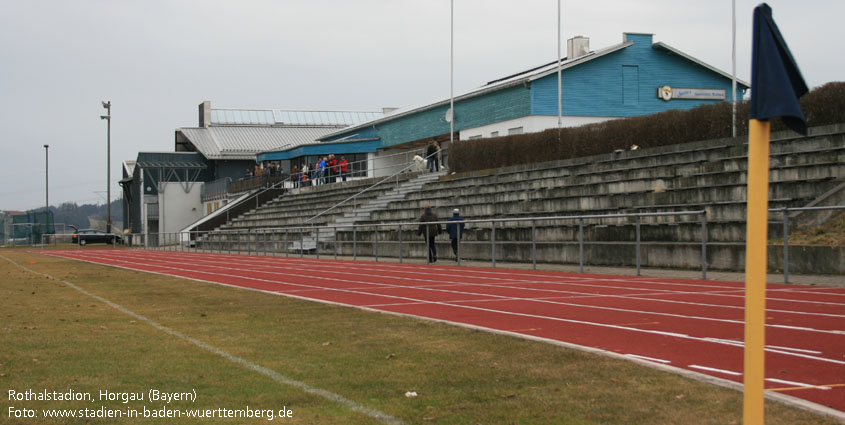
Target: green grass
x,y
54,337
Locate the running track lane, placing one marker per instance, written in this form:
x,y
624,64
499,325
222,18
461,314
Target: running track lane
x,y
689,324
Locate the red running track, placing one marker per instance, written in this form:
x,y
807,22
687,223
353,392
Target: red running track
x,y
688,324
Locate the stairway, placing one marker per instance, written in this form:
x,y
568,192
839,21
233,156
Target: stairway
x,y
363,212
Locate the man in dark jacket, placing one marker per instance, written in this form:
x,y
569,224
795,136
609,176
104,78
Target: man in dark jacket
x,y
429,231
456,230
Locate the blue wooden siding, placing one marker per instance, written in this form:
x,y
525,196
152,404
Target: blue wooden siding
x,y
630,85
596,88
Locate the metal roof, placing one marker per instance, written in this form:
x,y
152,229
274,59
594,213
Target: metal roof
x,y
664,46
244,142
234,116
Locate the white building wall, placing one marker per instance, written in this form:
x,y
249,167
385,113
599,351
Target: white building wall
x,y
390,161
529,124
177,208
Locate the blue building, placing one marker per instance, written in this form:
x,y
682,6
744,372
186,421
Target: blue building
x,y
635,77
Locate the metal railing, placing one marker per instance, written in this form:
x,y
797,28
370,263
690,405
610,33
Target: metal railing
x,y
785,212
354,197
289,241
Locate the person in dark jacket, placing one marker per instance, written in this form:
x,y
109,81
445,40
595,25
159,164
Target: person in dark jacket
x,y
429,231
455,230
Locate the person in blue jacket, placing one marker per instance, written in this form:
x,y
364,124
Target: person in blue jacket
x,y
456,230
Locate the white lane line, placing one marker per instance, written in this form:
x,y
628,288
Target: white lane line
x,y
710,369
651,359
797,384
459,306
489,296
501,297
427,270
272,374
265,262
794,349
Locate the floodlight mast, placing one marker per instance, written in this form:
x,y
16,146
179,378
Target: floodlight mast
x,y
107,117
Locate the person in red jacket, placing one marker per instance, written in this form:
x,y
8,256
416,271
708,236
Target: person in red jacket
x,y
344,168
332,166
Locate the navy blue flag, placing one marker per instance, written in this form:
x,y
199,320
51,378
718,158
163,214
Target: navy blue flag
x,y
776,82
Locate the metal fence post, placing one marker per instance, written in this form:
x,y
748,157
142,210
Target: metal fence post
x,y
400,244
493,242
376,243
534,244
785,245
354,242
427,247
460,241
704,245
301,243
287,252
639,221
581,244
335,242
316,241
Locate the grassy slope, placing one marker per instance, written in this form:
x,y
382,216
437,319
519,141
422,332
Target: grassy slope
x,y
53,337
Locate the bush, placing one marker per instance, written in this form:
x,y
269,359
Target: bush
x,y
822,106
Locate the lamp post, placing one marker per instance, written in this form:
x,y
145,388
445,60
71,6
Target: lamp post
x,y
47,185
107,117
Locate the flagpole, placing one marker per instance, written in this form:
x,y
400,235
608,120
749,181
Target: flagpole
x,y
452,73
755,271
733,64
559,79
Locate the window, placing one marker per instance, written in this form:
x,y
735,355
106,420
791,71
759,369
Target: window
x,y
474,137
494,134
515,130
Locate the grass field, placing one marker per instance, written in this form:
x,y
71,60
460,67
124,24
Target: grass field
x,y
54,337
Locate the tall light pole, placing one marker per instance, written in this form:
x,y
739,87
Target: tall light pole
x,y
47,186
107,117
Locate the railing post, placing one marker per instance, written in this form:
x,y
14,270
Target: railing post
x,y
335,242
533,244
354,242
581,244
786,245
248,242
264,240
460,241
493,241
639,221
704,245
400,244
427,247
376,243
316,241
287,252
301,243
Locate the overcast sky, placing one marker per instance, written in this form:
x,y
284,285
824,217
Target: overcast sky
x,y
156,60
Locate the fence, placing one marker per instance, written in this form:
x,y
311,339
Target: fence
x,y
395,240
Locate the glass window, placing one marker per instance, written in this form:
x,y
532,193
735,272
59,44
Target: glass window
x,y
515,130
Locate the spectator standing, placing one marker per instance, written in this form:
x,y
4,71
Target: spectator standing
x,y
332,169
431,155
294,176
455,228
429,230
344,168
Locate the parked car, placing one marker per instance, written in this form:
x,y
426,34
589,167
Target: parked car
x,y
86,236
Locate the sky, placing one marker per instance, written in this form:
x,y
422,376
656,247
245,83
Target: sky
x,y
156,60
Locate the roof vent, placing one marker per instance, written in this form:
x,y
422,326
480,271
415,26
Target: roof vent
x,y
577,46
387,111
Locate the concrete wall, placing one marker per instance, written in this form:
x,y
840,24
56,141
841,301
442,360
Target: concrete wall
x,y
177,208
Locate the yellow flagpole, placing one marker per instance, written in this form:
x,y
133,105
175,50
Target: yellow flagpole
x,y
755,271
